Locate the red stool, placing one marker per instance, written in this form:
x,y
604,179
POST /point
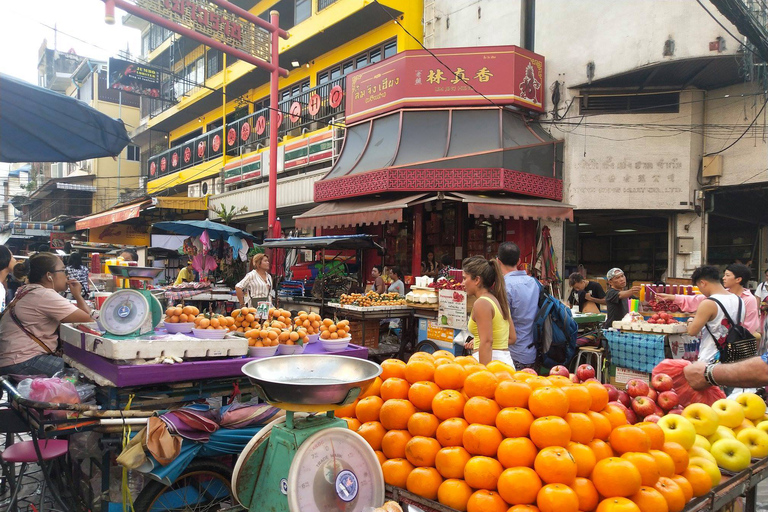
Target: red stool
x,y
24,453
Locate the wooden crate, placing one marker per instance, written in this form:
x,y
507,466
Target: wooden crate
x,y
371,333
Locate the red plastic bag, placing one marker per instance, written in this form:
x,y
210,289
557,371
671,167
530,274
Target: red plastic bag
x,y
55,391
674,368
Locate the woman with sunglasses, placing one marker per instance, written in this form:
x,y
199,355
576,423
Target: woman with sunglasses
x,y
29,326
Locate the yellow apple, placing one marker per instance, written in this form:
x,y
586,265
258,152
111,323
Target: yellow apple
x,y
763,425
710,467
703,418
702,442
679,430
744,424
731,413
697,451
721,433
731,454
753,405
755,440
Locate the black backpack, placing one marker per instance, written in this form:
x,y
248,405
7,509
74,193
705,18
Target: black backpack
x,y
739,343
554,331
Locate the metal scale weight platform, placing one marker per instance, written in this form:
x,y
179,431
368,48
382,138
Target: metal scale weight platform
x,y
129,313
309,461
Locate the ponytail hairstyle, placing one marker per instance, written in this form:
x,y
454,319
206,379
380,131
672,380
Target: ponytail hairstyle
x,y
491,277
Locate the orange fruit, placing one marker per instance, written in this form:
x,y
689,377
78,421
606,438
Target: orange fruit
x,y
585,458
392,368
582,428
517,451
424,482
615,415
482,473
465,361
511,393
555,465
616,477
394,387
519,486
443,354
419,370
448,404
550,431
649,499
393,443
664,463
548,401
696,477
451,432
514,421
599,395
557,498
380,455
586,492
450,461
628,438
672,493
352,423
646,465
396,472
601,449
373,390
422,356
373,433
654,432
395,414
454,493
486,501
421,451
678,454
685,486
368,409
479,409
421,394
474,368
579,398
617,505
450,376
481,383
423,424
482,439
539,381
602,425
524,508
559,381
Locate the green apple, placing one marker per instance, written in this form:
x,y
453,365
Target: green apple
x,y
753,405
744,424
731,454
697,451
678,430
703,418
702,442
756,440
730,412
721,433
710,467
763,425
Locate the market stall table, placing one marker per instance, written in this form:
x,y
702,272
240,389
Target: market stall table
x,y
363,314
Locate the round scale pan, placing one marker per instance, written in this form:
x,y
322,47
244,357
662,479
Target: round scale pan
x,y
310,382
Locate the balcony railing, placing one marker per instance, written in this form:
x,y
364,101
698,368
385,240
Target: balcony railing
x,y
322,4
309,110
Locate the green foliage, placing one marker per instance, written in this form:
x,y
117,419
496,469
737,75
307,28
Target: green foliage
x,y
227,214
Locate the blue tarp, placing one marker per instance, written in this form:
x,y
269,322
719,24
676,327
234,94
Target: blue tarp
x,y
196,228
40,125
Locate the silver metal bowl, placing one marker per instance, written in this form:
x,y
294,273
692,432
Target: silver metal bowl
x,y
311,382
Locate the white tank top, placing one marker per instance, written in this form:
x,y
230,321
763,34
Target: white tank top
x,y
708,348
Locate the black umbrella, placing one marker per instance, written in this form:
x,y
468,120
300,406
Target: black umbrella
x,y
39,125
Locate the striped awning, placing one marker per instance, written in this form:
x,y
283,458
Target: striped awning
x,y
112,216
44,226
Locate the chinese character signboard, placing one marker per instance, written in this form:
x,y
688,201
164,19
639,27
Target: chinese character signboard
x,y
134,78
507,75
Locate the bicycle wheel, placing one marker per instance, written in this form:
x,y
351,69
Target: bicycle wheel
x,y
204,486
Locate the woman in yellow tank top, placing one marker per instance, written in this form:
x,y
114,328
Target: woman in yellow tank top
x,y
490,323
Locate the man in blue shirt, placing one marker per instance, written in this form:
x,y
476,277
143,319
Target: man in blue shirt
x,y
523,295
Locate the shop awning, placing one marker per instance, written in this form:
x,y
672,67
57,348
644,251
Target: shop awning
x,y
356,212
183,203
111,216
45,226
513,208
340,242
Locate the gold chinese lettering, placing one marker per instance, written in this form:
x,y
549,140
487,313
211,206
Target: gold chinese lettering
x,y
435,77
459,76
483,75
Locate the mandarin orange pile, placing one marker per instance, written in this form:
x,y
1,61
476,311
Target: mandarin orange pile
x,y
309,321
486,438
180,314
245,319
213,321
272,333
334,331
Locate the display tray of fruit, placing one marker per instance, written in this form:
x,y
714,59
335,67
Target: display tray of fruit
x,y
662,323
371,301
447,284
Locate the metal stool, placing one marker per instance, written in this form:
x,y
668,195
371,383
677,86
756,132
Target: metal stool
x,y
25,453
594,356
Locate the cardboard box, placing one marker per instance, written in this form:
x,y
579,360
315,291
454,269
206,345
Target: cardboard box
x,y
620,376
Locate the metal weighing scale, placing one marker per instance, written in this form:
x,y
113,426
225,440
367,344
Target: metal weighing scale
x,y
129,313
309,462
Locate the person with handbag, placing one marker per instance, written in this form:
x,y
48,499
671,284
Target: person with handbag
x,y
29,326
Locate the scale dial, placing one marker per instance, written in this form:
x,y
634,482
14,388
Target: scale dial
x,y
335,469
124,312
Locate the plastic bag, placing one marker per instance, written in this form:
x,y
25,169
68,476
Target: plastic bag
x,y
53,390
674,368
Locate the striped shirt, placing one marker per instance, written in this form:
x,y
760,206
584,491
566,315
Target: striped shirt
x,y
254,287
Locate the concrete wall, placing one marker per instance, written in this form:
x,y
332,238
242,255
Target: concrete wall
x,y
453,23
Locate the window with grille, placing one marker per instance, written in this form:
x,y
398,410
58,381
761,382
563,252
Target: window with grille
x,y
133,153
370,56
651,103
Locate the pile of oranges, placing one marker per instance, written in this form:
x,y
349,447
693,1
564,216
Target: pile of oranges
x,y
181,314
309,321
487,438
245,319
214,321
330,330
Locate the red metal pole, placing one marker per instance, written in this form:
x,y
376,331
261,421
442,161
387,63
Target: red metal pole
x,y
109,12
227,5
274,18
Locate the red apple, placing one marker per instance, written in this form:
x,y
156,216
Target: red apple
x,y
624,398
652,394
613,393
658,410
676,410
574,378
637,387
560,370
643,406
668,400
585,372
632,417
661,382
529,370
655,317
653,418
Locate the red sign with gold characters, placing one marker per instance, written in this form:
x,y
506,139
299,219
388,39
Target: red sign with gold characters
x,y
507,75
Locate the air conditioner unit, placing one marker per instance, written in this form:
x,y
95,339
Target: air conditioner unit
x,y
206,187
218,186
194,190
58,170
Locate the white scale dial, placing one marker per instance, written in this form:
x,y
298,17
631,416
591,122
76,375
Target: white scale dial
x,y
124,312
